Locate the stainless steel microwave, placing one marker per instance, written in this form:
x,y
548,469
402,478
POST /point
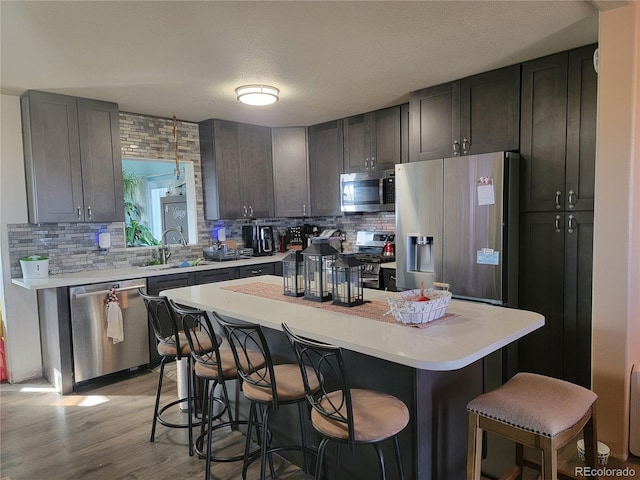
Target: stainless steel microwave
x,y
368,191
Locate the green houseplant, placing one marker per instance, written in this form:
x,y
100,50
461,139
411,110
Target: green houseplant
x,y
136,233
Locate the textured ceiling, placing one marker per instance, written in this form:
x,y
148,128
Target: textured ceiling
x,y
329,59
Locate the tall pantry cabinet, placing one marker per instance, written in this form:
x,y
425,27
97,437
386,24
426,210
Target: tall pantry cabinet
x,y
558,127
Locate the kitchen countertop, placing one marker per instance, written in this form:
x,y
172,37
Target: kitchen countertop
x,y
107,275
450,344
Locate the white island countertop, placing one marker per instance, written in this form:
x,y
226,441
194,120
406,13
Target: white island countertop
x,y
447,344
110,274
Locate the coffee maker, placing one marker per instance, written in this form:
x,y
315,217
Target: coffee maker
x,y
258,237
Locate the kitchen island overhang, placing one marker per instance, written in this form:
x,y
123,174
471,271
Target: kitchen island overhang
x,y
435,370
475,331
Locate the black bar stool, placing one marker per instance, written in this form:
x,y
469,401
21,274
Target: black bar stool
x,y
172,345
349,416
215,365
265,385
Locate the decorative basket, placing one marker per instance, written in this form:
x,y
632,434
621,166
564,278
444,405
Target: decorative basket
x,y
408,311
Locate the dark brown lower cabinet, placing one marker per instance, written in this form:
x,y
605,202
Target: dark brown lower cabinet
x,y
388,279
556,258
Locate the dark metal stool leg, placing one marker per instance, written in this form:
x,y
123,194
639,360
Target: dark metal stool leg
x,y
381,459
397,448
303,437
155,410
190,401
321,449
247,446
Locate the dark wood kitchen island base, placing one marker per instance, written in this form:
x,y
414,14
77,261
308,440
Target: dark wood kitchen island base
x,y
434,444
436,370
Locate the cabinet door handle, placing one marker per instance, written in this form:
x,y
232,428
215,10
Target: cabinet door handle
x,y
558,223
250,211
89,212
572,198
256,272
558,195
571,224
456,147
79,212
465,146
244,210
373,163
304,209
392,277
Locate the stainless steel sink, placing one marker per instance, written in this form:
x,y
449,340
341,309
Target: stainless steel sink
x,y
166,266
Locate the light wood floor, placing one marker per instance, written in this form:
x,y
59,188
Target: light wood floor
x,y
103,434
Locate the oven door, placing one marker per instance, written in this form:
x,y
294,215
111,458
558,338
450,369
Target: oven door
x,y
371,275
371,282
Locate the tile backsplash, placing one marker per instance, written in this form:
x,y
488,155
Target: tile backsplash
x,y
73,247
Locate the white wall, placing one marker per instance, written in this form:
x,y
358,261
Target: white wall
x,y
19,306
616,268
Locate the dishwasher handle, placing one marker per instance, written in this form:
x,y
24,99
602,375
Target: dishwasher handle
x,y
102,292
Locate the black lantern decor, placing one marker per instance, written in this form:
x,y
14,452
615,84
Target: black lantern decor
x,y
293,274
318,259
347,281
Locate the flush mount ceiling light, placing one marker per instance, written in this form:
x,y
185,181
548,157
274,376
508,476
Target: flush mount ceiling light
x,y
257,95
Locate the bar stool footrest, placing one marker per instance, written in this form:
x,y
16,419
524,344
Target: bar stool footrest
x,y
199,443
167,423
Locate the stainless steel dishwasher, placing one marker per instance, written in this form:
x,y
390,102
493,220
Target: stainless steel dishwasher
x,y
95,354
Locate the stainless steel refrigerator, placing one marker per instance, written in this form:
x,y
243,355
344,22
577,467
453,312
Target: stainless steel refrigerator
x,y
457,222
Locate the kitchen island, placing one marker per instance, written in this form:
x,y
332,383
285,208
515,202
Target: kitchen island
x,y
435,370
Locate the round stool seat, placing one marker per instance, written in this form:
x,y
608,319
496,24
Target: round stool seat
x,y
376,416
289,384
229,370
535,403
170,348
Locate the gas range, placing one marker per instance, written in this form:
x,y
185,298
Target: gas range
x,y
370,247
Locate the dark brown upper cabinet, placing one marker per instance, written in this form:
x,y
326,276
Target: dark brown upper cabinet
x,y
73,162
290,171
325,167
582,94
237,170
373,141
559,99
477,114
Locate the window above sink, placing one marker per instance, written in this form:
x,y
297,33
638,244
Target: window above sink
x,y
155,200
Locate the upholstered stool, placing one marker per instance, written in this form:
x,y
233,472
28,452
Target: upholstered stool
x,y
534,411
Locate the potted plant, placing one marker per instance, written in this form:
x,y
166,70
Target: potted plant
x,y
136,233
